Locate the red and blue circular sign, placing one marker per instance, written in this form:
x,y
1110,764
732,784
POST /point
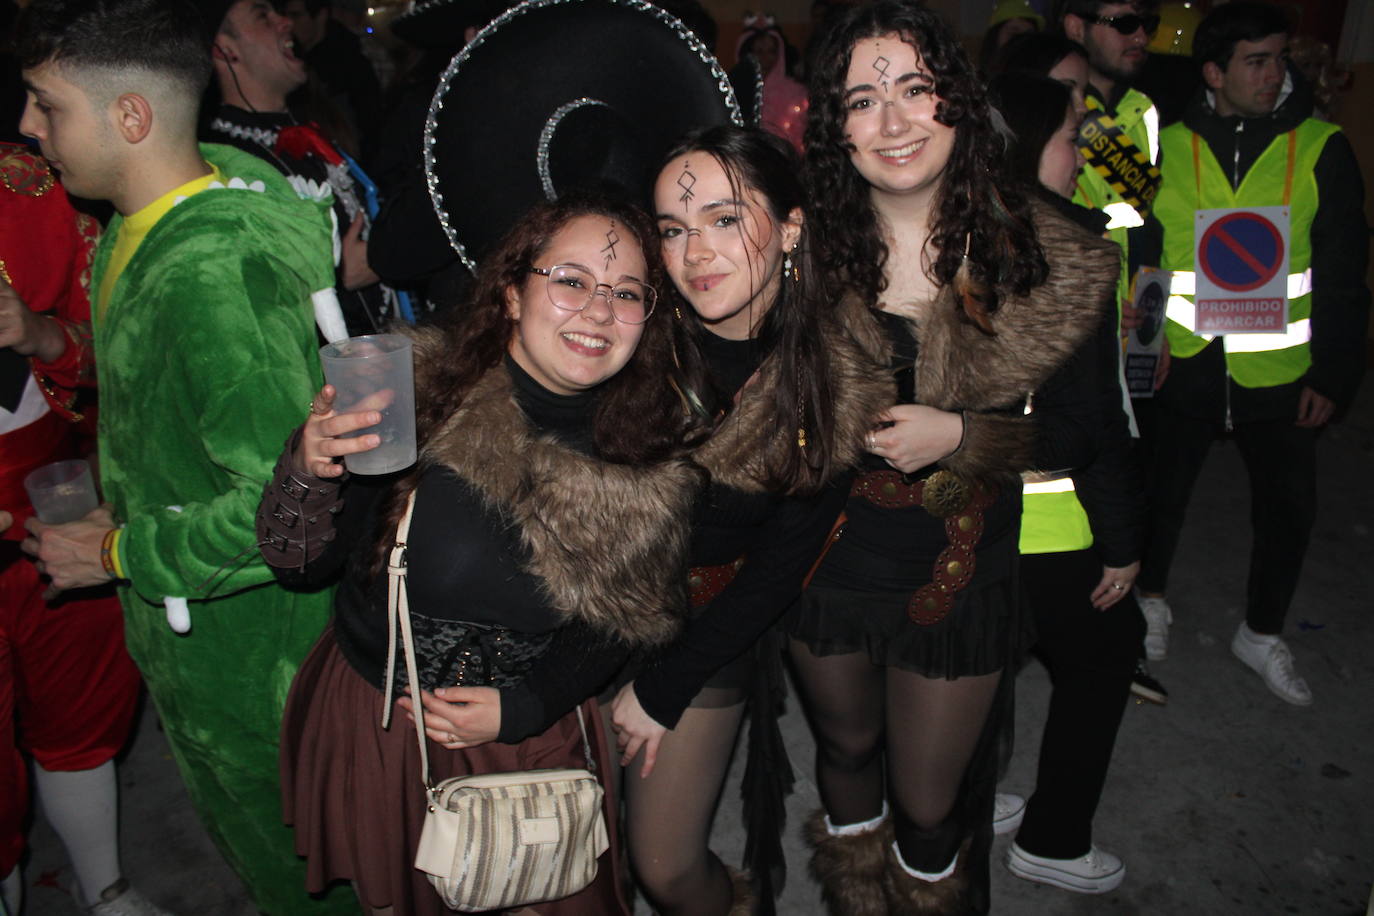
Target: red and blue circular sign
x,y
1241,252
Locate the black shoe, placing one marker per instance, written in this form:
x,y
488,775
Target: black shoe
x,y
1146,687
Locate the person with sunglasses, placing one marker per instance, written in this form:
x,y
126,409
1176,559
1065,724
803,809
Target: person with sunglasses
x,y
1121,120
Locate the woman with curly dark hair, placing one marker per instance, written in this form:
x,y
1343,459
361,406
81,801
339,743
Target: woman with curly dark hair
x,y
548,539
977,296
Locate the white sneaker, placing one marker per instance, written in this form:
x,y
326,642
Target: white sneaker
x,y
1095,873
1007,812
119,899
1270,658
1158,616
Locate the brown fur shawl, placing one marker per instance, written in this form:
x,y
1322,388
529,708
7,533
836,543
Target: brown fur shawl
x,y
862,387
607,541
958,367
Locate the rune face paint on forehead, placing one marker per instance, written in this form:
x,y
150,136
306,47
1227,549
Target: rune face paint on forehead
x,y
892,125
880,65
686,181
612,239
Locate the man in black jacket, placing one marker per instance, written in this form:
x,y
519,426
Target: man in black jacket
x,y
1249,140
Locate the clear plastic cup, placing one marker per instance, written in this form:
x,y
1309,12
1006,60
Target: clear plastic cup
x,y
375,373
62,492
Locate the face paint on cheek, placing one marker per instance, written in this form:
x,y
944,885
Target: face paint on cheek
x,y
612,239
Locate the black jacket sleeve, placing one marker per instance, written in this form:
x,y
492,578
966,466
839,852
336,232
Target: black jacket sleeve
x,y
769,581
1111,487
1340,259
1066,411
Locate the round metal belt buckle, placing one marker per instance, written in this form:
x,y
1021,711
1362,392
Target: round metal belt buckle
x,y
945,494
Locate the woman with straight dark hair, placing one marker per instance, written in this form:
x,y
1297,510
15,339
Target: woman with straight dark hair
x,y
1080,545
900,641
782,397
549,527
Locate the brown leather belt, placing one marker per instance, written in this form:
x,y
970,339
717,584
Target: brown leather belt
x,y
704,583
961,505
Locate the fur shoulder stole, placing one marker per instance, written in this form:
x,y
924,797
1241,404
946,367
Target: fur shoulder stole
x,y
958,366
607,541
861,387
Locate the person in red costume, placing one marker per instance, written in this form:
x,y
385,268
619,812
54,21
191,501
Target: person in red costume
x,y
783,108
67,685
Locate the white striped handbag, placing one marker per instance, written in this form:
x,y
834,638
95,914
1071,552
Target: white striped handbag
x,y
497,840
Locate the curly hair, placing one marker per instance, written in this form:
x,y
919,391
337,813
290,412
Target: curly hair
x,y
638,419
976,208
794,327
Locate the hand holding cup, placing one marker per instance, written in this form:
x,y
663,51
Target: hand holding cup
x,y
323,438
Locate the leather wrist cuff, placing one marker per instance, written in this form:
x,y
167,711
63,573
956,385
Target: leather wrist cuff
x,y
296,516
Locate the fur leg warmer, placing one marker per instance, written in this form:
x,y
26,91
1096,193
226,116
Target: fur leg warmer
x,y
908,895
743,903
850,868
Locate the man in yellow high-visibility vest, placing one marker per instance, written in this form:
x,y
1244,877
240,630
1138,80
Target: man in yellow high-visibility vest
x,y
1247,141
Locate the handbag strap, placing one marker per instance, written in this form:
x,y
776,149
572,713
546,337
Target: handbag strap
x,y
398,617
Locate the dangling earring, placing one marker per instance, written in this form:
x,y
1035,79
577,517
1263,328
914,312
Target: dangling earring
x,y
786,263
789,267
678,312
801,411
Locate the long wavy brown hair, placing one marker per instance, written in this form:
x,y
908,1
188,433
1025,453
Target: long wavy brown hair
x,y
795,330
977,208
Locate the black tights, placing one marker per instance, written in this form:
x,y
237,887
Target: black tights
x,y
668,815
926,727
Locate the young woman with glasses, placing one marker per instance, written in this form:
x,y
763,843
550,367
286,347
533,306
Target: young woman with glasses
x,y
901,639
548,530
782,397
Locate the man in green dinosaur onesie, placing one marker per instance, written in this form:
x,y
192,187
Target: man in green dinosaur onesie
x,y
202,300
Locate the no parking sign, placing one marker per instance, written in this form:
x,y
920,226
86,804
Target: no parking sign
x,y
1242,270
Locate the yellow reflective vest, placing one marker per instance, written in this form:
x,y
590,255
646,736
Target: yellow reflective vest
x,y
1283,175
1137,116
1052,518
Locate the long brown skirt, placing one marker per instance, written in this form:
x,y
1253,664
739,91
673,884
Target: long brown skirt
x,y
352,789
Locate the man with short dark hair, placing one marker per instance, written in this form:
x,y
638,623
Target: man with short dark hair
x,y
1249,140
205,350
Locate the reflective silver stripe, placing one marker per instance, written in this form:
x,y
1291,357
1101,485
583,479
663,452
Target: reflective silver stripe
x,y
1300,285
1184,283
1151,119
1122,216
1299,332
1182,311
1063,485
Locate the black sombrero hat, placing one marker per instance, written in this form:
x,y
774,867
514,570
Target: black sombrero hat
x,y
558,93
441,23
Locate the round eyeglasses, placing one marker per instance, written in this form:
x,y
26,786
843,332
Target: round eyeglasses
x,y
573,288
